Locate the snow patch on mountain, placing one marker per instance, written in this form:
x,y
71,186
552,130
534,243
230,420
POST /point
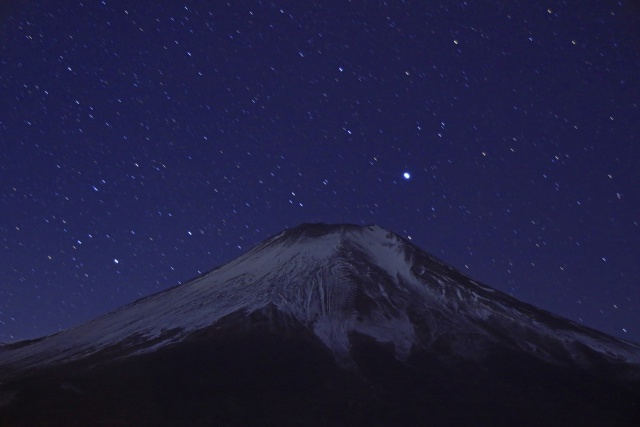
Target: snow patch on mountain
x,y
336,280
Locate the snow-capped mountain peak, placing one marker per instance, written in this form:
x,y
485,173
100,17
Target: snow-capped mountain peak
x,y
337,281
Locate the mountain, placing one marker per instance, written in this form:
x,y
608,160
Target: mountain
x,y
324,325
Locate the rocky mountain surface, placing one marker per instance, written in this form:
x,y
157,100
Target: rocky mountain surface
x,y
324,325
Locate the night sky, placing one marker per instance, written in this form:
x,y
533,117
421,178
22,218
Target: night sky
x,y
144,142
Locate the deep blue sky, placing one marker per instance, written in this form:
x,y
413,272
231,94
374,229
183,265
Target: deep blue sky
x,y
143,142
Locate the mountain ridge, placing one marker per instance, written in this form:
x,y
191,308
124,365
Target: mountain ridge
x,y
324,324
317,272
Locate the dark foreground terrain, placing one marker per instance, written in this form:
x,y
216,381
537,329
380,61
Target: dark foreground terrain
x,y
251,375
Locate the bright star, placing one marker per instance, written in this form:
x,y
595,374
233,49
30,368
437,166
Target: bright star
x,y
406,175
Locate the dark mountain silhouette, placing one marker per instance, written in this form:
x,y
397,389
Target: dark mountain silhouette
x,y
322,325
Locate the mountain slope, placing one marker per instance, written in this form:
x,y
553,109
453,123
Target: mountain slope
x,y
335,280
374,314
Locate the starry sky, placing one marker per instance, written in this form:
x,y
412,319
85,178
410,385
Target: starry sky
x,y
144,142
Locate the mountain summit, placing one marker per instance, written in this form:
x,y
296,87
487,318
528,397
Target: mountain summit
x,y
352,319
